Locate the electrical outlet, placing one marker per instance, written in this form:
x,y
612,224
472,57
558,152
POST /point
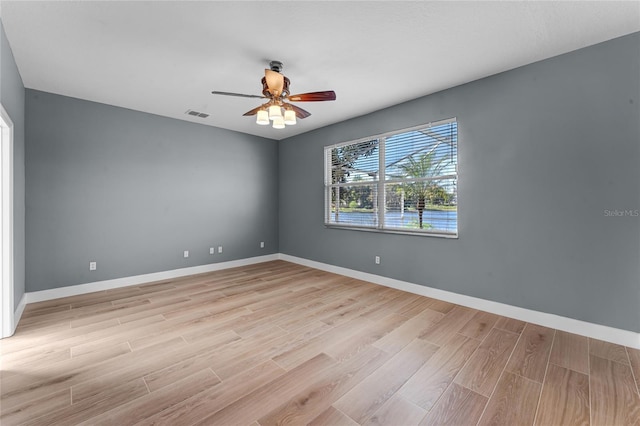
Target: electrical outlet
x,y
212,250
377,260
186,253
93,266
261,244
219,249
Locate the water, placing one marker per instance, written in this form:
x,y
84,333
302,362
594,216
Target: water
x,y
439,220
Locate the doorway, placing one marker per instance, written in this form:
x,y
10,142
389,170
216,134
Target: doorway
x,y
6,226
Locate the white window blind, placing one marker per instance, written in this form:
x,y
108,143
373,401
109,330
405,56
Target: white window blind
x,y
404,181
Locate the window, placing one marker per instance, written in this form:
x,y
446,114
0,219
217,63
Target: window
x,y
403,181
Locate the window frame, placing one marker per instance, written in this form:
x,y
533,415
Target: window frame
x,y
379,183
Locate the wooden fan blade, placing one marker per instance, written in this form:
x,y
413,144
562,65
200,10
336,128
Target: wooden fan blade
x,y
241,95
275,82
300,113
255,110
327,95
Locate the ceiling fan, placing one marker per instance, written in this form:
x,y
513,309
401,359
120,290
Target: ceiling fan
x,y
275,88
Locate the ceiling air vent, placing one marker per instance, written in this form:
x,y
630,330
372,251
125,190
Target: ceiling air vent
x,y
196,113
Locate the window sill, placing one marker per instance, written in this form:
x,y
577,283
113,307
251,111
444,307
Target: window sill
x,y
392,231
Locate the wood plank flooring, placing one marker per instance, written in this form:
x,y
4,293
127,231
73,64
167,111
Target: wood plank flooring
x,y
279,343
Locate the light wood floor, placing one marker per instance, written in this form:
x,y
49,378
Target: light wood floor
x,y
279,343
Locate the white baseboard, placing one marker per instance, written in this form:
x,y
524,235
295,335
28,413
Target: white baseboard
x,y
595,331
14,319
18,312
56,293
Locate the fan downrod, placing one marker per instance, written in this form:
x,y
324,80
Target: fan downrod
x,y
276,66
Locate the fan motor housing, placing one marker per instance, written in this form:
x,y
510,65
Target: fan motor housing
x,y
285,88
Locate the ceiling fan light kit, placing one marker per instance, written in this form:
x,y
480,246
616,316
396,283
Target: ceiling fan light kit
x,y
262,117
289,117
278,123
275,88
274,112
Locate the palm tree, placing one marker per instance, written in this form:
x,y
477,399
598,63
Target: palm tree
x,y
425,166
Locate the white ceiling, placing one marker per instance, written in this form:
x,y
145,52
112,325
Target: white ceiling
x,y
165,57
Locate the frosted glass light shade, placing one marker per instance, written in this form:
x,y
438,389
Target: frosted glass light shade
x,y
289,117
278,123
274,112
263,117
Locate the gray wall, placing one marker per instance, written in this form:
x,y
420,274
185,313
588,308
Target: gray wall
x,y
132,191
12,98
544,150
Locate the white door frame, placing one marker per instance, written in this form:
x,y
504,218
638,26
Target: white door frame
x,y
7,320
